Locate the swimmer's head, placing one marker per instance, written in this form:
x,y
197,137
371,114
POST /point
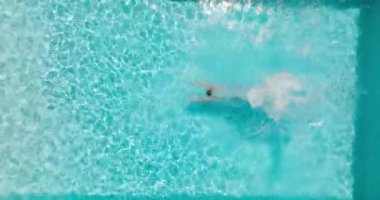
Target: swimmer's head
x,y
209,92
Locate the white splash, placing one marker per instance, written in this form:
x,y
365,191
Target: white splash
x,y
276,93
316,124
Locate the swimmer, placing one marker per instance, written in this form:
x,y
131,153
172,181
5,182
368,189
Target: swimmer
x,y
218,93
273,94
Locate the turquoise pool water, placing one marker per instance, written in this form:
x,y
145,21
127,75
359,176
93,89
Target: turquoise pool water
x,y
94,98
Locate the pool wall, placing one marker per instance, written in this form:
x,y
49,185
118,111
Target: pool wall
x,y
367,140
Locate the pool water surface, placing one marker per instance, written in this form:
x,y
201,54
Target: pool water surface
x,y
94,98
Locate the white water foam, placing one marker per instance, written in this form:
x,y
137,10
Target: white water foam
x,y
276,93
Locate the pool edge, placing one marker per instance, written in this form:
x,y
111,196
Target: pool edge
x,y
367,139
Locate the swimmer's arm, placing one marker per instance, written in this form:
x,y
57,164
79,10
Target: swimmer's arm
x,y
204,99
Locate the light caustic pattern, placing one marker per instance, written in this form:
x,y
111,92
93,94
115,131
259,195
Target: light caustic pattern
x,y
93,98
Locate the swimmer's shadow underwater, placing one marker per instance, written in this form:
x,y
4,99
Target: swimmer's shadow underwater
x,y
249,123
253,125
